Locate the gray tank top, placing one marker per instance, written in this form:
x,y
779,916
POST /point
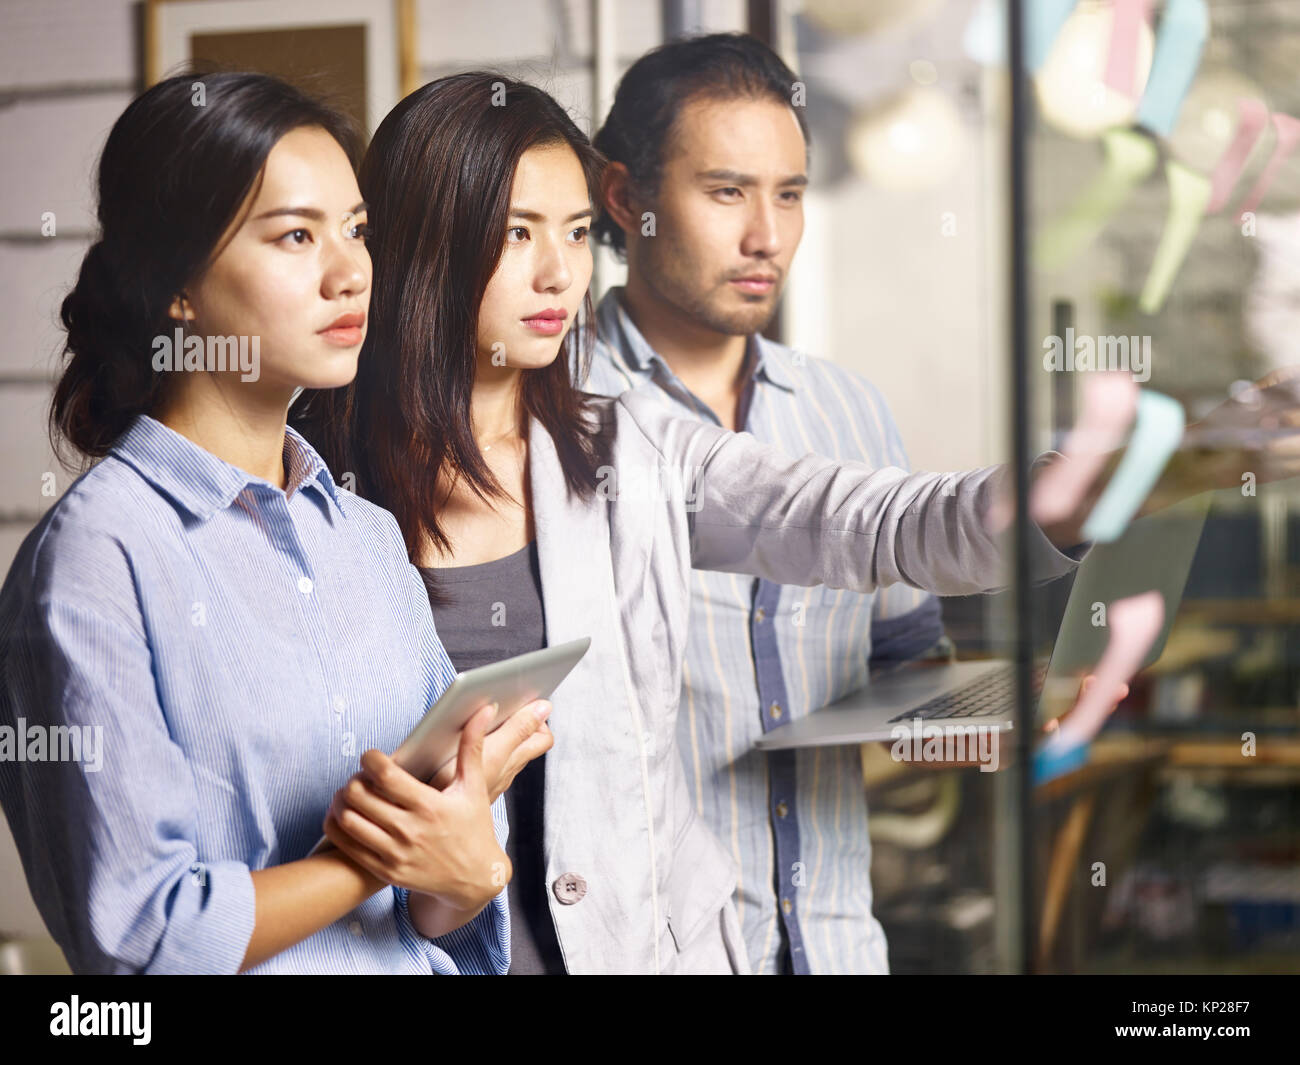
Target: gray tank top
x,y
485,613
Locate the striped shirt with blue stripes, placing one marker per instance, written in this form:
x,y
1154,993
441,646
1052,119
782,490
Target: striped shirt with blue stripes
x,y
228,650
760,655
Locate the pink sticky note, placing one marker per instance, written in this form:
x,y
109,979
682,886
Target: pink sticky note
x,y
1134,624
1108,407
1288,136
1121,61
1252,117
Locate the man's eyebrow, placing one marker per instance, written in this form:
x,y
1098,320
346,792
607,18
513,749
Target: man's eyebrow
x,y
314,213
735,177
533,216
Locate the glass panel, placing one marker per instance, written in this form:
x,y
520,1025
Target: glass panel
x,y
1163,229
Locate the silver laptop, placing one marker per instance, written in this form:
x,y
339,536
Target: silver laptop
x,y
1154,552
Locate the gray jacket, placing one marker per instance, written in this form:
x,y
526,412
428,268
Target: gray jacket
x,y
639,884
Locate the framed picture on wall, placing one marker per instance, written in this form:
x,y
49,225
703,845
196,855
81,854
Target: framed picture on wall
x,y
361,53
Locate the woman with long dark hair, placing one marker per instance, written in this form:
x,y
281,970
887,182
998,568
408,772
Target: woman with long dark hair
x,y
540,514
206,625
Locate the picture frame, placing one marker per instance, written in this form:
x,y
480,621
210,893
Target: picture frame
x,y
366,50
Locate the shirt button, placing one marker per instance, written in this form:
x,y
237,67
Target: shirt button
x,y
304,585
782,809
569,888
355,928
785,906
775,711
338,704
760,614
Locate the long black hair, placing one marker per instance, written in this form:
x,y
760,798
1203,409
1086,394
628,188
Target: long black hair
x,y
437,180
177,165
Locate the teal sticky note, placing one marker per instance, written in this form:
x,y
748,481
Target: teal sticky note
x,y
1043,22
1156,435
1054,760
1180,40
985,36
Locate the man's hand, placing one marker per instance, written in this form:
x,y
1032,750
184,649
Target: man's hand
x,y
1257,431
1087,683
1006,741
511,747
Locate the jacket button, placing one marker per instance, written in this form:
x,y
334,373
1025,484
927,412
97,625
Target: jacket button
x,y
569,888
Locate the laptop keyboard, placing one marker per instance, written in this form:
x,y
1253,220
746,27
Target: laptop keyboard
x,y
994,693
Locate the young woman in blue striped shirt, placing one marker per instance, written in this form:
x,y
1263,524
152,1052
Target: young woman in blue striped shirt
x,y
210,614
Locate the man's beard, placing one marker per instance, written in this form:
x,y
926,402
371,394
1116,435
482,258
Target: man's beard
x,y
695,304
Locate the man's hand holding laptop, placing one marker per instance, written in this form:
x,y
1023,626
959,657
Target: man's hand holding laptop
x,y
1007,740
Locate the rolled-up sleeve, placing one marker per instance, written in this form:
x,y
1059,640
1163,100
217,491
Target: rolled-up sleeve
x,y
902,637
108,841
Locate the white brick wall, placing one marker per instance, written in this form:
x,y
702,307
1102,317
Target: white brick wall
x,y
35,277
67,69
52,42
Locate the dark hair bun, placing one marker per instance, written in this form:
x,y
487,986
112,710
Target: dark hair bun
x,y
108,378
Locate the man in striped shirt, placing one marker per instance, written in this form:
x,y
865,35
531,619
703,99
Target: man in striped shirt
x,y
703,197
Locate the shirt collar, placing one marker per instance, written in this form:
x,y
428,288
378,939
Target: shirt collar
x,y
771,361
201,482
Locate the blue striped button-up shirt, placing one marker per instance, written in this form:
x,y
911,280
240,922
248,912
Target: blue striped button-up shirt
x,y
760,655
191,663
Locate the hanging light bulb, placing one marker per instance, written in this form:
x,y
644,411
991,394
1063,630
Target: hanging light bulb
x,y
914,141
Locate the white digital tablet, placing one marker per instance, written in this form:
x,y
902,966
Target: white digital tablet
x,y
512,684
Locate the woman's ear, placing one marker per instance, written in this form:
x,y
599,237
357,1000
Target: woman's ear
x,y
180,309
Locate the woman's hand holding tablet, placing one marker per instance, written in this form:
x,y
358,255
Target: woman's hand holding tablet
x,y
437,843
507,750
510,685
495,694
